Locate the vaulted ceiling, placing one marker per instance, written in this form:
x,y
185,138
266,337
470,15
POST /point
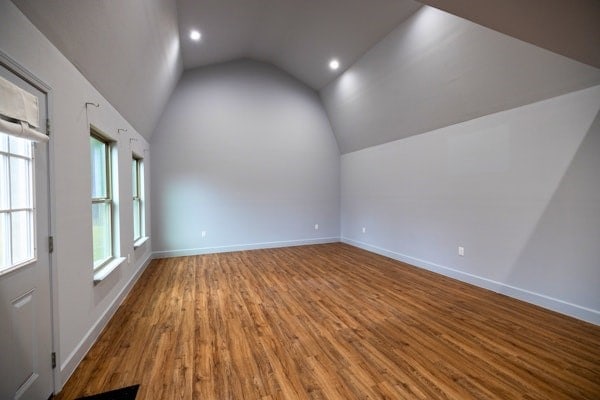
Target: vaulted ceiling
x,y
435,70
134,51
300,37
569,28
129,50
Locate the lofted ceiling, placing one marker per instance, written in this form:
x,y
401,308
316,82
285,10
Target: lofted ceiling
x,y
134,51
570,28
300,37
436,70
129,50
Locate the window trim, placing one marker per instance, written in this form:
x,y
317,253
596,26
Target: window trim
x,y
140,198
105,200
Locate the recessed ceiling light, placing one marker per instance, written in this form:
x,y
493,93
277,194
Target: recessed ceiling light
x,y
334,64
195,35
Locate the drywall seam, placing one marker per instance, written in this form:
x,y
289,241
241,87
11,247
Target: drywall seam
x,y
551,303
241,247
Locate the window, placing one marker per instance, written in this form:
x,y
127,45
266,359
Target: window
x,y
102,201
137,179
17,244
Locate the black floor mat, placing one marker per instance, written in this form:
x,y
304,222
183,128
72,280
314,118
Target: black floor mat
x,y
127,393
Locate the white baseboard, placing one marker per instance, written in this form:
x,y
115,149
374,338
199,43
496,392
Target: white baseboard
x,y
551,303
240,247
69,365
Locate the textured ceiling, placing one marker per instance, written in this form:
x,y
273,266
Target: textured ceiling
x,y
298,36
129,50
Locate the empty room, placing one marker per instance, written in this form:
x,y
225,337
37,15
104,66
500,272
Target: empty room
x,y
299,199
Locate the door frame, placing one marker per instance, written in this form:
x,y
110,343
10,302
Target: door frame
x,y
23,73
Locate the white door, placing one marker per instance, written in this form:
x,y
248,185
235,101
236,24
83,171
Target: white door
x,y
25,296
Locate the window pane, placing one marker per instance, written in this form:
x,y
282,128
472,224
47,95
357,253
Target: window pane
x,y
101,216
99,168
134,177
19,146
3,142
20,182
22,240
4,189
137,231
4,241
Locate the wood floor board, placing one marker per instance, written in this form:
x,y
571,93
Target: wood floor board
x,y
332,322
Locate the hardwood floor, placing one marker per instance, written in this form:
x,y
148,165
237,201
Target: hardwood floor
x,y
332,322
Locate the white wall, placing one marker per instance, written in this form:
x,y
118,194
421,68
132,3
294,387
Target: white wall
x,y
244,152
518,189
82,307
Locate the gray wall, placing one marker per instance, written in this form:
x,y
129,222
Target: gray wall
x,y
435,70
245,153
518,189
82,309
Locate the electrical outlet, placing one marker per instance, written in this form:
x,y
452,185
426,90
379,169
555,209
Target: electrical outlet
x,y
461,251
203,234
316,227
364,230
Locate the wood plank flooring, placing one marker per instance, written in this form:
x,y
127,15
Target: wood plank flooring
x,y
332,322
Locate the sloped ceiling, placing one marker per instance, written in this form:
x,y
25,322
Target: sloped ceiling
x,y
435,70
129,50
300,37
420,77
570,28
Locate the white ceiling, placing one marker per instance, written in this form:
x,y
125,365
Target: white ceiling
x,y
570,28
300,37
436,70
129,50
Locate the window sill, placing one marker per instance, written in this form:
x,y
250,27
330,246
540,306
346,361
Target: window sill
x,y
140,242
102,273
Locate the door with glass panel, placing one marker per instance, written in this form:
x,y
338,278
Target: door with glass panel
x,y
25,296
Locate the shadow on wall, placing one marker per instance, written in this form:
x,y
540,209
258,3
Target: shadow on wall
x,y
567,234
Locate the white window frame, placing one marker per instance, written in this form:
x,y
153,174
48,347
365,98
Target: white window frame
x,y
107,266
106,200
31,209
139,196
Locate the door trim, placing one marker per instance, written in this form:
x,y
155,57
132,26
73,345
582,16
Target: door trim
x,y
23,73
